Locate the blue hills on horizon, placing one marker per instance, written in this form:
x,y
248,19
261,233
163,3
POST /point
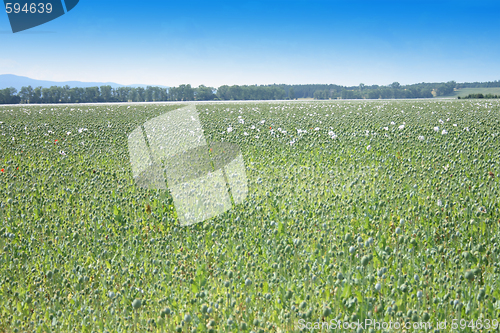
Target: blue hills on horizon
x,y
17,82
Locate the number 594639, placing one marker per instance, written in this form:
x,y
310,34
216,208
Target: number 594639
x,y
31,8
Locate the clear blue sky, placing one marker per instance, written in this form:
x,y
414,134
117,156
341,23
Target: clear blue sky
x,y
260,42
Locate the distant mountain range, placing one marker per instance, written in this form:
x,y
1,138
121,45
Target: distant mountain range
x,y
10,80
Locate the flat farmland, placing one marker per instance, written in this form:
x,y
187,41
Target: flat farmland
x,y
381,210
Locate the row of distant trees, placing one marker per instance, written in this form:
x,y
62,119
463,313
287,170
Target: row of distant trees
x,y
65,94
395,90
490,84
8,96
479,96
185,92
106,94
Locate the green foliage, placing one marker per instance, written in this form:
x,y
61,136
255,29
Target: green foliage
x,y
479,95
446,88
323,94
489,84
250,92
8,96
185,92
395,90
84,249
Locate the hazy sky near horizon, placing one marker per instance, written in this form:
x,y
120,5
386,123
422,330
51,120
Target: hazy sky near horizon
x,y
260,42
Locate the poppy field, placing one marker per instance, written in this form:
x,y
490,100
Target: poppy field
x,y
387,210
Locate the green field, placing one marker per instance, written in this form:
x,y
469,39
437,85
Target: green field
x,y
467,91
385,210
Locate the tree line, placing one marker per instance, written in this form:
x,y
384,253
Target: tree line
x,y
490,84
107,94
394,90
8,96
184,92
470,96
